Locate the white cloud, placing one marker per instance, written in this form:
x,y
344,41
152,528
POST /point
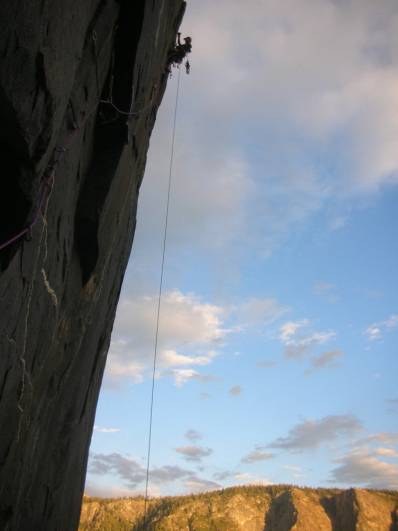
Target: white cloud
x,y
256,455
289,330
375,331
386,452
224,474
101,429
171,358
363,468
390,438
303,91
193,435
259,312
298,344
133,474
314,433
193,452
326,360
247,158
190,332
182,376
184,319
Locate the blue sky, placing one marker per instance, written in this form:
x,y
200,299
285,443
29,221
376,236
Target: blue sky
x,y
279,321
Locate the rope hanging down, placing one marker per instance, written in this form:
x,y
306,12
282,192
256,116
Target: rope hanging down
x,y
160,296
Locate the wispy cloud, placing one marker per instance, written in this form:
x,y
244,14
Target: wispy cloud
x,y
386,452
298,343
194,453
235,390
101,429
363,468
314,433
129,470
288,331
380,438
224,474
376,331
326,360
133,474
182,376
259,312
193,435
256,455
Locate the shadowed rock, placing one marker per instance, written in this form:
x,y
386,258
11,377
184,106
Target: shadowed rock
x,y
75,164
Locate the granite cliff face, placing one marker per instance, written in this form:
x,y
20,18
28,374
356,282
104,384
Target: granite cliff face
x,y
76,165
273,508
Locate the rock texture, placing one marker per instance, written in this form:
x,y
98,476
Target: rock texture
x,y
274,508
77,165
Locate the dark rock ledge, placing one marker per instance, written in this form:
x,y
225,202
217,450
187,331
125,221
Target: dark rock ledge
x,y
60,287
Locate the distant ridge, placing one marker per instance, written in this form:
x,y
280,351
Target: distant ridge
x,y
250,508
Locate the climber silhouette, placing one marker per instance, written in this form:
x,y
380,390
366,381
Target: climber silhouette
x,y
178,53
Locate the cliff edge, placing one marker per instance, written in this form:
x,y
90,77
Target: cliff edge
x,y
72,164
252,508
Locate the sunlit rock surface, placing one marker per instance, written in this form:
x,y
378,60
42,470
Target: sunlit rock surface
x,y
273,508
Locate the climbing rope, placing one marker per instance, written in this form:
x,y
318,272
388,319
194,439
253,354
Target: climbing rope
x,y
160,297
45,187
49,174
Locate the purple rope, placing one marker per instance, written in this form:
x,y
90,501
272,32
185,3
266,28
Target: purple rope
x,y
16,237
43,193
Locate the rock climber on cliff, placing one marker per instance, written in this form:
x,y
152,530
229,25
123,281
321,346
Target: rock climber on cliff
x,y
178,53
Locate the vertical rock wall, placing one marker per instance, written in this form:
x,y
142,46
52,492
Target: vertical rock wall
x,y
79,160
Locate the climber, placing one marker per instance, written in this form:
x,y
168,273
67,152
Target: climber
x,y
179,52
